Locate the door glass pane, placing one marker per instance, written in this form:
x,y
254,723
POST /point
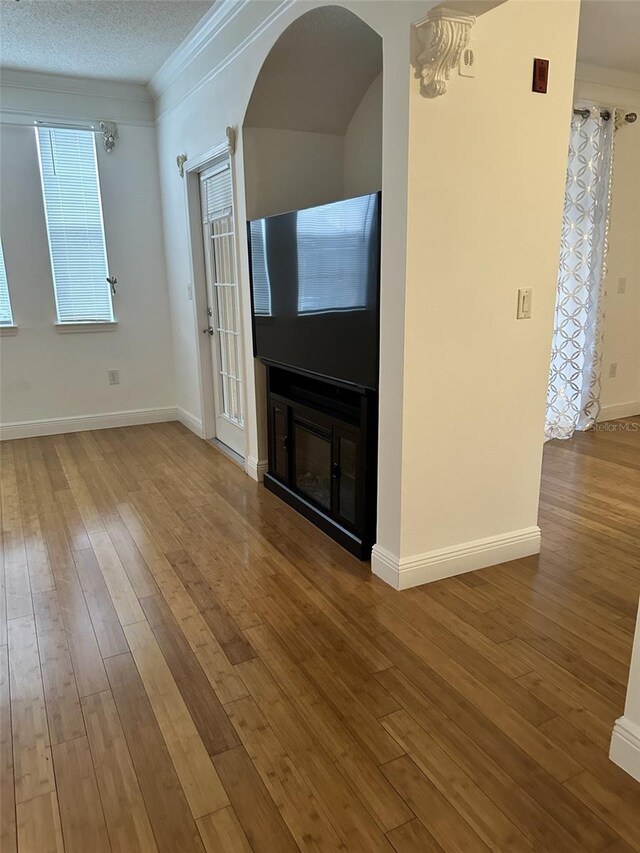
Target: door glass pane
x,y
219,227
347,489
313,465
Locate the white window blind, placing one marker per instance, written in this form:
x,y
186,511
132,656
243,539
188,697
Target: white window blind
x,y
260,269
332,266
6,317
73,209
217,192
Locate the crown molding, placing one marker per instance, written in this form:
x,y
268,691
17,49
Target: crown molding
x,y
205,31
65,85
229,57
28,96
28,117
613,77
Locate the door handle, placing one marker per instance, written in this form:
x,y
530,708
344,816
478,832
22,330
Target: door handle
x,y
208,330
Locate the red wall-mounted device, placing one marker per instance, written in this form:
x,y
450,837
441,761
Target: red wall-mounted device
x,y
540,75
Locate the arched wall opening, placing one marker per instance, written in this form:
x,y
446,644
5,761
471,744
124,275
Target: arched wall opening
x,y
312,131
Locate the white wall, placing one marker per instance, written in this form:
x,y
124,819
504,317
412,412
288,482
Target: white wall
x,y
290,169
363,144
620,396
194,106
625,743
46,374
487,164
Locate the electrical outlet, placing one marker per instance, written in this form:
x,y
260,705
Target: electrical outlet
x,y
114,377
613,370
622,285
189,291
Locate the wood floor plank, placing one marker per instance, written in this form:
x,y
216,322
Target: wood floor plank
x,y
199,780
205,708
16,567
125,813
225,630
259,817
60,690
83,824
122,594
621,816
221,831
307,820
71,605
70,517
413,837
341,801
432,808
384,804
40,574
165,801
39,827
8,837
467,798
32,764
104,619
530,797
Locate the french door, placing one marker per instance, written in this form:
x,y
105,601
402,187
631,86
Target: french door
x,y
223,303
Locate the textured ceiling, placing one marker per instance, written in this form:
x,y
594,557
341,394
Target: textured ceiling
x,y
111,39
610,34
317,73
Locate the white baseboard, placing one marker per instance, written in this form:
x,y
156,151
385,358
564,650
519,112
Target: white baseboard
x,y
625,746
446,562
80,423
619,410
256,468
190,421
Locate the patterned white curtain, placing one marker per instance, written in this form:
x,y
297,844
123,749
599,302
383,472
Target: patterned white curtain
x,y
573,401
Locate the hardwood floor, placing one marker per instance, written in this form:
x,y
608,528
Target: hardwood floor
x,y
188,665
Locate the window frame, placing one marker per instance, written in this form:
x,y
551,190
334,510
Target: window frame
x,y
10,327
76,324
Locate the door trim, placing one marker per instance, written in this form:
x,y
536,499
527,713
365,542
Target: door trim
x,y
193,216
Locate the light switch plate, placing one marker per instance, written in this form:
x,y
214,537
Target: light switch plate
x,y
524,303
622,285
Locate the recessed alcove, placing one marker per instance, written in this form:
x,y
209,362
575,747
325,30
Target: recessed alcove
x,y
312,135
313,128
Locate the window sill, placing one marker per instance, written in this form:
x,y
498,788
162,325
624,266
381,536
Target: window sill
x,y
7,331
70,328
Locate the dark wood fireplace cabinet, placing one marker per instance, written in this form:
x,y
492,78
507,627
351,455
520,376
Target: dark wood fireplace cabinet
x,y
322,454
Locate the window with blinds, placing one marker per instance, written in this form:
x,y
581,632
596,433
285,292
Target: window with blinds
x,y
260,282
73,210
332,266
6,315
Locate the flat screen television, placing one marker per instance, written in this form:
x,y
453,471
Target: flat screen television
x,y
315,281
